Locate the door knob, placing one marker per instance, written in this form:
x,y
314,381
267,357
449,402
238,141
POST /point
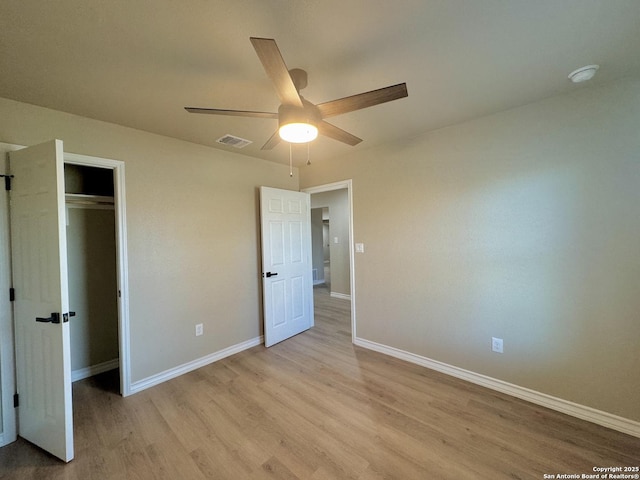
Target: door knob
x,y
54,318
269,274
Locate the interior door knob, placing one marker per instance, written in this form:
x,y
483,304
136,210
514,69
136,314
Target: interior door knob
x,y
54,318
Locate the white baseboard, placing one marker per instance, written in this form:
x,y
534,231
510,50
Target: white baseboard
x,y
87,372
343,296
195,364
318,282
624,425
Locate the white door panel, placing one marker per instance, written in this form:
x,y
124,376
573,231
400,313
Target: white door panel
x,y
286,263
39,258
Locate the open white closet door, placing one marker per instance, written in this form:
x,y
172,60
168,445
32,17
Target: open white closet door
x,y
41,310
287,278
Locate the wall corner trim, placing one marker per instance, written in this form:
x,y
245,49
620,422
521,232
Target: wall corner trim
x,y
193,365
583,412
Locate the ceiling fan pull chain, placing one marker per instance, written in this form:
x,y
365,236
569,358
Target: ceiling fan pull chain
x,y
308,159
290,162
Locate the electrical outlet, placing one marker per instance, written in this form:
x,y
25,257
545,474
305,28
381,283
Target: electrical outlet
x,y
199,329
496,345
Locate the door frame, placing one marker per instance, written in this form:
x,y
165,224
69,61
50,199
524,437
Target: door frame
x,y
8,434
122,276
329,187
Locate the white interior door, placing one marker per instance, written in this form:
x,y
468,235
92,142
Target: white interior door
x,y
287,279
39,256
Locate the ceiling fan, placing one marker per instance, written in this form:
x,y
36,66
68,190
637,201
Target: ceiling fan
x,y
300,121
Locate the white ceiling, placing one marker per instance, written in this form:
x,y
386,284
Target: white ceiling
x,y
138,63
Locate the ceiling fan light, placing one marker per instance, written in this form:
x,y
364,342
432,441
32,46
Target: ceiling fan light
x,y
298,125
298,132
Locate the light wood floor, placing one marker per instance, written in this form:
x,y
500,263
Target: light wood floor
x,y
316,407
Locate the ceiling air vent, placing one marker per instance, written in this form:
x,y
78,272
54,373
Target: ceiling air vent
x,y
233,141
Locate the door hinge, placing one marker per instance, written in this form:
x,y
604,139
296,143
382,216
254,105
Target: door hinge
x,y
12,294
16,400
7,181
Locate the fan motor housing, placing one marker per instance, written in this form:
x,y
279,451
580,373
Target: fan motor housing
x,y
291,114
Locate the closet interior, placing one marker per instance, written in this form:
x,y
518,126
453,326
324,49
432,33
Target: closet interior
x,y
91,260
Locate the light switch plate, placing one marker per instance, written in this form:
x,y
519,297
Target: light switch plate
x,y
359,247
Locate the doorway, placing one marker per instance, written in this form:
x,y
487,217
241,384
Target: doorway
x,y
326,245
333,203
95,206
320,246
92,274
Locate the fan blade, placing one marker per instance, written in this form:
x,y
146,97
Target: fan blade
x,y
236,113
272,142
276,69
363,100
336,133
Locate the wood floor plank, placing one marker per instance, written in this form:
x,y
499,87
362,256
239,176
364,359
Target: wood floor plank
x,y
317,407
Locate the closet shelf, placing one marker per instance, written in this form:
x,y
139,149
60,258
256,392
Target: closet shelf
x,y
82,199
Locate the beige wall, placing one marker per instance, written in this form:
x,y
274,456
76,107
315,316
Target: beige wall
x,y
93,291
523,225
192,223
338,204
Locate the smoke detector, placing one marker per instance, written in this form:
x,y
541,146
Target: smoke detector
x,y
583,74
